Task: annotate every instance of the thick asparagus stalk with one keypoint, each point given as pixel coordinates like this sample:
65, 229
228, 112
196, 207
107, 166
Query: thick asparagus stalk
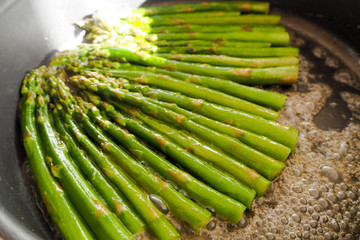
221, 204
234, 61
275, 38
248, 52
102, 222
245, 175
215, 28
249, 156
279, 75
205, 14
113, 198
193, 90
277, 132
154, 219
248, 19
57, 203
260, 143
244, 6
256, 95
218, 42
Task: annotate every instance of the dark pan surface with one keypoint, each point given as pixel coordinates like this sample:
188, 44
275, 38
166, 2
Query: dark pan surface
328, 67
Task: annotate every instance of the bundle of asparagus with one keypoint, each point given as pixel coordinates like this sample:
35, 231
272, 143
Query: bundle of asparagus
118, 137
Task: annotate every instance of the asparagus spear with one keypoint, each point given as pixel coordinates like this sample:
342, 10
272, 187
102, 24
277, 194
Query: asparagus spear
242, 173
256, 95
218, 42
248, 52
182, 207
250, 157
221, 204
277, 132
215, 28
205, 14
275, 38
102, 222
113, 198
245, 6
248, 19
260, 143
280, 75
227, 61
57, 203
154, 219
193, 90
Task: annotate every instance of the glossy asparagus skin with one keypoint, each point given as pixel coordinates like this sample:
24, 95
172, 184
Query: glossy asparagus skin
227, 61
182, 207
279, 75
256, 95
221, 204
214, 28
196, 91
57, 203
258, 142
234, 147
248, 19
204, 14
113, 198
203, 150
271, 129
102, 222
218, 42
242, 52
154, 219
275, 38
244, 6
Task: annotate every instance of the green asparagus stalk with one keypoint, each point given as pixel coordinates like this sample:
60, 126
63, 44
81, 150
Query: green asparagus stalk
218, 42
275, 131
260, 143
248, 19
113, 198
234, 61
102, 222
193, 90
275, 38
57, 203
215, 28
154, 219
242, 173
205, 14
221, 204
256, 95
279, 75
244, 6
248, 52
234, 147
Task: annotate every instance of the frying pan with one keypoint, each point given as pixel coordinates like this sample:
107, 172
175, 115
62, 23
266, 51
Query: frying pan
30, 31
